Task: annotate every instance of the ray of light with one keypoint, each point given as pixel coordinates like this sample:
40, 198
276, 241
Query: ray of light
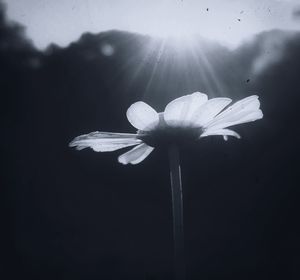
156, 65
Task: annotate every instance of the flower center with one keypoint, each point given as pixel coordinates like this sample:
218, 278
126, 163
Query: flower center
164, 134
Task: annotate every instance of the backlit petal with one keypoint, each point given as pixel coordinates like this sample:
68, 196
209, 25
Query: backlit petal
105, 141
136, 155
142, 116
243, 111
180, 111
224, 132
209, 110
250, 103
245, 117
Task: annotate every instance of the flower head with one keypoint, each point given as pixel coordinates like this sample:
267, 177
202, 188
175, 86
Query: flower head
184, 119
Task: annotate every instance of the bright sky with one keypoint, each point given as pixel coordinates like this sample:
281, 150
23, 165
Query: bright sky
227, 21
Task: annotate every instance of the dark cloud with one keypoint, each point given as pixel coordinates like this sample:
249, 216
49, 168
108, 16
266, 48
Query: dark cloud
81, 215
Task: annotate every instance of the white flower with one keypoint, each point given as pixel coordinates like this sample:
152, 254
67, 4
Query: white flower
186, 118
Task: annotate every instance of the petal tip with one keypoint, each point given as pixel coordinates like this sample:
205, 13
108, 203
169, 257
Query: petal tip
122, 160
71, 144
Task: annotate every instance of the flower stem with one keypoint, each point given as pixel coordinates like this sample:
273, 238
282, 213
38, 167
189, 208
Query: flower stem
176, 186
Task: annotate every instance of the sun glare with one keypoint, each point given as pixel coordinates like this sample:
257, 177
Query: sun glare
228, 22
180, 20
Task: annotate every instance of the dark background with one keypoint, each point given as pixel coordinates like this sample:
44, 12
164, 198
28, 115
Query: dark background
81, 215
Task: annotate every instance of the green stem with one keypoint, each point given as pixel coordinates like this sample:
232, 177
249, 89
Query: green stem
176, 186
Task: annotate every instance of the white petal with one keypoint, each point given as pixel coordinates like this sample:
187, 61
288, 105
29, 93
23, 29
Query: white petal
209, 110
105, 141
243, 111
224, 132
181, 110
136, 155
239, 119
142, 116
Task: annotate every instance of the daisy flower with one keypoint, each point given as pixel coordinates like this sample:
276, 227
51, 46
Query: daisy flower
187, 118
